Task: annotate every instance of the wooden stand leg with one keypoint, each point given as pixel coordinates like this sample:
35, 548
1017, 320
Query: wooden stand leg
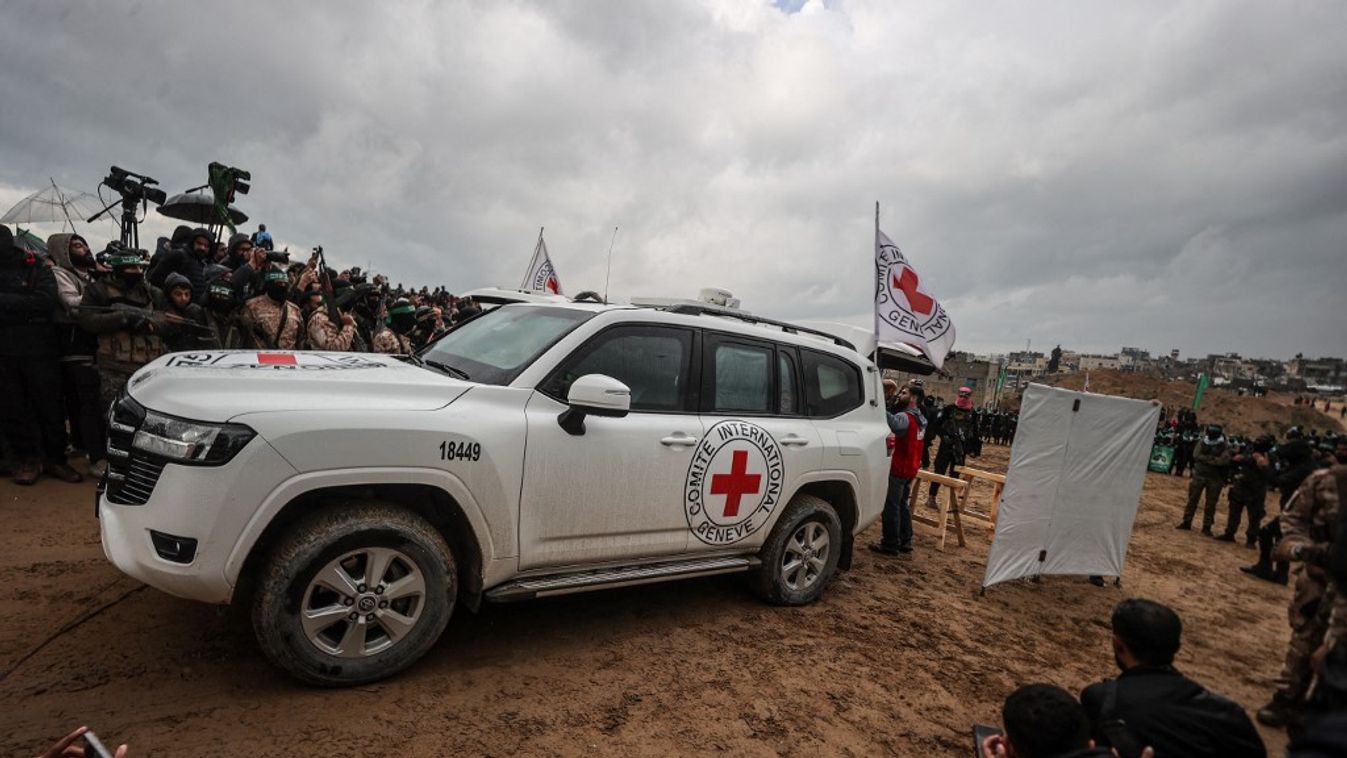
958, 522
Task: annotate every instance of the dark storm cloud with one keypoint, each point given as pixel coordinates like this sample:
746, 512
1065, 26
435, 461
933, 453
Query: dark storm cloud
1145, 174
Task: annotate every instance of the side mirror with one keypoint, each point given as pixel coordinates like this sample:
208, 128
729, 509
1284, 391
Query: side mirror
594, 394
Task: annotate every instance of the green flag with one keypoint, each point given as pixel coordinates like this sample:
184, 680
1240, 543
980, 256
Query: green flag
1203, 382
1001, 380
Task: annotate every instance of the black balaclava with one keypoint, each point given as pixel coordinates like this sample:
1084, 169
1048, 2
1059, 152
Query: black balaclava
402, 317
120, 259
276, 285
220, 297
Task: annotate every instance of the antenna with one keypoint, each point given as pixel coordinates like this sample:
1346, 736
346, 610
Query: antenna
609, 275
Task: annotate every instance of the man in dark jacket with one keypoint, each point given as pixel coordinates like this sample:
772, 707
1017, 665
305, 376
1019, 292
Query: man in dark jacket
190, 263
1157, 705
31, 415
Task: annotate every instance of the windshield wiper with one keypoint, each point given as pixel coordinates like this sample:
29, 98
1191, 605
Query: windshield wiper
445, 368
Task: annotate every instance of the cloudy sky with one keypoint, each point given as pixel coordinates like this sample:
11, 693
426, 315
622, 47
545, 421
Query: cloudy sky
1158, 174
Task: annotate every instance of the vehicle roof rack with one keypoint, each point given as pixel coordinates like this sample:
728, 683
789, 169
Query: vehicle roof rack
696, 309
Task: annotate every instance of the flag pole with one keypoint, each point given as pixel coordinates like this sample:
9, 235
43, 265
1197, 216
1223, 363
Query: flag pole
877, 285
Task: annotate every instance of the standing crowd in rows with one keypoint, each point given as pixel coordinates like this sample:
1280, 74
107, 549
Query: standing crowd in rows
75, 325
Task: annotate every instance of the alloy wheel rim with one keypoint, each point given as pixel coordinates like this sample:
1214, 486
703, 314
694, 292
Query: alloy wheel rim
806, 556
363, 602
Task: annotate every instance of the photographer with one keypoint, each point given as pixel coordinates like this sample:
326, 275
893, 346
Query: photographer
251, 267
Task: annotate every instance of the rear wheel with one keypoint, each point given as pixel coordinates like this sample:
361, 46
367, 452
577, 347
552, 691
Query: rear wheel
354, 594
800, 557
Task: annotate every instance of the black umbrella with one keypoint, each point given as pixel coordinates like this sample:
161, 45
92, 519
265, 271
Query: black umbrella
198, 208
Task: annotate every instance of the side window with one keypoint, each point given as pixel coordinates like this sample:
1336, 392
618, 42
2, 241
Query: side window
652, 360
832, 386
789, 404
743, 378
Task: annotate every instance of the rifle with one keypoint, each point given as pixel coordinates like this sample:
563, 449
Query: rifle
325, 282
148, 315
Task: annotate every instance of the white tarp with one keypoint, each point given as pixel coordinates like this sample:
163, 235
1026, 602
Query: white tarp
1076, 469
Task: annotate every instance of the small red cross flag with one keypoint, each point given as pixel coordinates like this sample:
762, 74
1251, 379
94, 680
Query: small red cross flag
542, 275
905, 311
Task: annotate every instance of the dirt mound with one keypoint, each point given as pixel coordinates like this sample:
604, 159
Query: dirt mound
1245, 415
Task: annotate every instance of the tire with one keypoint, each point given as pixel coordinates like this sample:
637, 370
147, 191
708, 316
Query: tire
790, 573
397, 621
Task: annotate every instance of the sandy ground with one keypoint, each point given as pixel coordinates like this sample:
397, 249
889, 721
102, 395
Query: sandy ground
899, 658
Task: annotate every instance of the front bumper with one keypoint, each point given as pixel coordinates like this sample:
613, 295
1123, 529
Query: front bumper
209, 504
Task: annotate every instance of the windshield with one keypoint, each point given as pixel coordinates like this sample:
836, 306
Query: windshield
496, 347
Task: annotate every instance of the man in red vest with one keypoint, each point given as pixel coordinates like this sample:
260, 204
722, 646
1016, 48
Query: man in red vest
907, 423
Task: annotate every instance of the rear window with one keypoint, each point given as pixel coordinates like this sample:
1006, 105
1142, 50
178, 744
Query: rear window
832, 386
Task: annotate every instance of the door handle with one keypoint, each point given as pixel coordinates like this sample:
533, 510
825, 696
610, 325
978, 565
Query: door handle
677, 439
795, 440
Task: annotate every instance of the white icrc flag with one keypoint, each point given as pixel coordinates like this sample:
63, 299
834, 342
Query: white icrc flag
904, 311
542, 275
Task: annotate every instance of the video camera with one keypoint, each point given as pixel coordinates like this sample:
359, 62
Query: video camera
227, 180
134, 187
278, 256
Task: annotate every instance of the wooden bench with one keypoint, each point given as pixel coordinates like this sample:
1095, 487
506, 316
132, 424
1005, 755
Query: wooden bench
998, 482
955, 490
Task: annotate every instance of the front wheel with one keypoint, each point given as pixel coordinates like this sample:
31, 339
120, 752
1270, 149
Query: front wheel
354, 594
800, 557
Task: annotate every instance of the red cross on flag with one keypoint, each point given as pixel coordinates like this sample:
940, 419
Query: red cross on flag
905, 311
542, 275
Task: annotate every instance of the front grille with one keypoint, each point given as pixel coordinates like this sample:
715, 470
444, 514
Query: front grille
132, 474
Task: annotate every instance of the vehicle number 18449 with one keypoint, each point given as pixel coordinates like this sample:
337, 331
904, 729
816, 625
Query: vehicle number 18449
460, 451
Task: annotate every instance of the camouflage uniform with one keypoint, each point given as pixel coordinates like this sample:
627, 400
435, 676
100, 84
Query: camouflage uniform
123, 347
226, 331
260, 322
325, 335
389, 341
1318, 613
1209, 469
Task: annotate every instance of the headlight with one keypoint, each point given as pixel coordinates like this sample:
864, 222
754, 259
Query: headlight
185, 441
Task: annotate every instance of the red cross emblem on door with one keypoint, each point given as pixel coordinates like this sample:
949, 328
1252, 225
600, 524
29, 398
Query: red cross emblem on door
736, 484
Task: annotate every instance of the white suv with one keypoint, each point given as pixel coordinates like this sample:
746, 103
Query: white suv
539, 449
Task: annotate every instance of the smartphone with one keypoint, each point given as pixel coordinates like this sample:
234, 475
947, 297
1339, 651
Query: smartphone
980, 734
94, 746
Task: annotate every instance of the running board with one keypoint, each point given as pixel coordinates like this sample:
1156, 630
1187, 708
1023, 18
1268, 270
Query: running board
625, 576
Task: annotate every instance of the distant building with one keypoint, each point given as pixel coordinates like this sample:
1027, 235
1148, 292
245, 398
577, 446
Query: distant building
1324, 374
1096, 362
961, 370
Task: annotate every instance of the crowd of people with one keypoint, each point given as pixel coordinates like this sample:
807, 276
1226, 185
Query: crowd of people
75, 325
1306, 470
